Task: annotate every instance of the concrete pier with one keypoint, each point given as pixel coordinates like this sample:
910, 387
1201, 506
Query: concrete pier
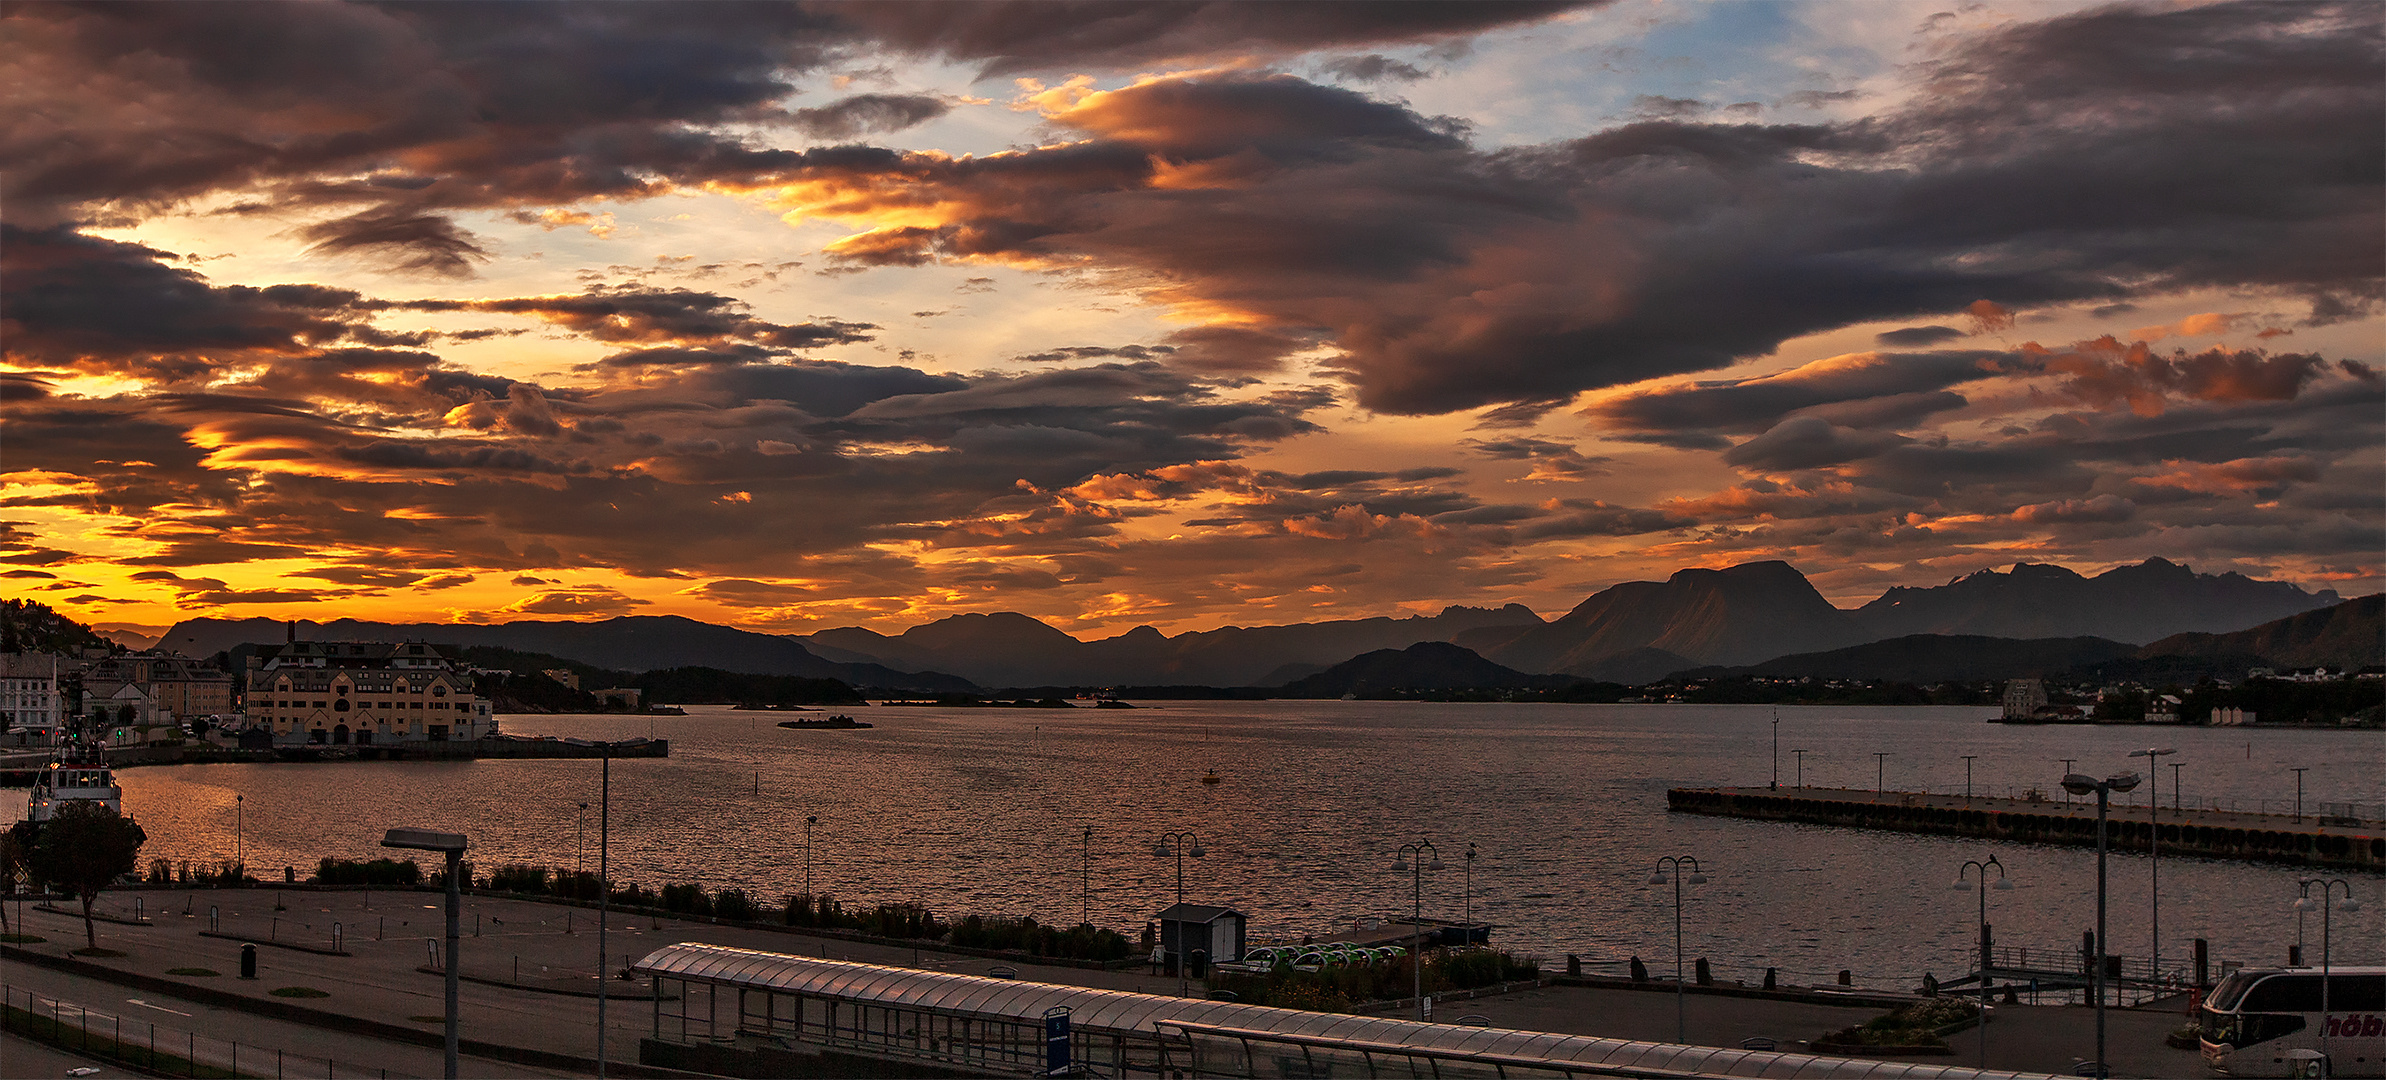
2215, 834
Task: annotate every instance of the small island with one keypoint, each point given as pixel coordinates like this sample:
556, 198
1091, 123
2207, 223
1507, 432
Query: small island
838, 722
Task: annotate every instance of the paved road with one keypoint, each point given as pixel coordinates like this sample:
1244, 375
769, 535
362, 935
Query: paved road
24, 1059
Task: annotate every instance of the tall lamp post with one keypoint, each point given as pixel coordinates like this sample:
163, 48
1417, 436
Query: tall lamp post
1776, 785
1801, 767
1673, 867
2299, 770
2175, 767
1470, 892
580, 843
1967, 776
604, 887
240, 832
2080, 784
2153, 758
451, 845
1085, 910
2003, 883
1880, 770
2328, 887
2067, 763
1179, 845
1412, 859
810, 820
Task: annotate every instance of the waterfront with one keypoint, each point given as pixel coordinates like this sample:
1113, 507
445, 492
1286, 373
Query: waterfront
982, 810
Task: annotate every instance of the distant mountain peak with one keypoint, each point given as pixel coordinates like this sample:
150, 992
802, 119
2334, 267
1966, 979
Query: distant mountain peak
2134, 603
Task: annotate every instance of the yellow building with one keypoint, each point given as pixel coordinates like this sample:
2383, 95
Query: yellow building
363, 693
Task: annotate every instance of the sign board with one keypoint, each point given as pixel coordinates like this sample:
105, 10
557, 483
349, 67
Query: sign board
1056, 1040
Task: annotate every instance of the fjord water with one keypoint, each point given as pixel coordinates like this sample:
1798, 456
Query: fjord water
983, 810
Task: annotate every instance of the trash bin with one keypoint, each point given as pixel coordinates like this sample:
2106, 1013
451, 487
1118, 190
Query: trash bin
248, 961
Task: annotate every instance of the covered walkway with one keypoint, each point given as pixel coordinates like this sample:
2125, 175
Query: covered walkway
741, 999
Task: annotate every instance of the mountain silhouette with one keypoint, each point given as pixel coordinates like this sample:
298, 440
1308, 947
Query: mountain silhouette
2349, 635
1738, 615
2136, 604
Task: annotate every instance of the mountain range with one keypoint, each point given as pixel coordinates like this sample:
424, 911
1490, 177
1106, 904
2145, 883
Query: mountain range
629, 643
1636, 632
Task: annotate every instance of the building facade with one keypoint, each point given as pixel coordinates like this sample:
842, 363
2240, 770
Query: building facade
30, 702
334, 693
153, 690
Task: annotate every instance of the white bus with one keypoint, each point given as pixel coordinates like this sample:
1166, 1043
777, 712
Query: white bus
2256, 1020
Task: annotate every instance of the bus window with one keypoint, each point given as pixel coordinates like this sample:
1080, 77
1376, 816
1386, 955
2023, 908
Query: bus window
2228, 990
2357, 993
2284, 994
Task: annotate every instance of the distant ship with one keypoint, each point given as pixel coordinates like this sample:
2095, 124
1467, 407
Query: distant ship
1212, 778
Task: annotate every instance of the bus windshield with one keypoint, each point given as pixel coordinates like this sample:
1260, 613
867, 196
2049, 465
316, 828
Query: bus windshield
2225, 994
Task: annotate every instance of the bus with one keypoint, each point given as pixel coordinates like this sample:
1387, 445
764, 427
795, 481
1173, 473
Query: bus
2256, 1021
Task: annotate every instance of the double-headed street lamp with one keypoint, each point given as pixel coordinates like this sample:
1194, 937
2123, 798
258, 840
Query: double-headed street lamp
1412, 859
2003, 883
1678, 869
1179, 845
451, 845
2153, 758
2328, 887
2080, 784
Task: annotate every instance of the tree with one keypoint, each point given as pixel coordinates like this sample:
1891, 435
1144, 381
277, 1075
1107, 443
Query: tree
85, 846
12, 862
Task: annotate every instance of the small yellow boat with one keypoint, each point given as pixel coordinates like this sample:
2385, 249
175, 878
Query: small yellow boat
1212, 778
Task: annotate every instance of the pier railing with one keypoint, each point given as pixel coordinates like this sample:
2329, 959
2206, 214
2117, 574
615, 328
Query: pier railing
158, 1049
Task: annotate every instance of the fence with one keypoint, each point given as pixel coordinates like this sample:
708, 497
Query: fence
164, 1051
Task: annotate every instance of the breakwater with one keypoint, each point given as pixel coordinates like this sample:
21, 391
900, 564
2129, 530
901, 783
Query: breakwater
2336, 843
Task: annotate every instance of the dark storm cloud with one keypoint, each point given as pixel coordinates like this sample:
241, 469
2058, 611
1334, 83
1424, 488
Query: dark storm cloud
1808, 443
1010, 37
1374, 67
1893, 386
864, 114
2023, 171
398, 240
1912, 337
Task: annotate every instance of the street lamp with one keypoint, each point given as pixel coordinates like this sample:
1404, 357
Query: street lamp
1677, 874
1179, 845
1776, 785
2004, 883
1416, 867
2299, 770
240, 833
1470, 892
809, 821
2153, 758
1880, 771
580, 843
1085, 913
2078, 784
451, 845
2328, 887
2067, 763
2175, 767
1801, 767
1967, 776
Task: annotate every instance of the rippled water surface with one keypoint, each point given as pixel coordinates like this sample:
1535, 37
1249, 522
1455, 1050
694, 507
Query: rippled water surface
984, 810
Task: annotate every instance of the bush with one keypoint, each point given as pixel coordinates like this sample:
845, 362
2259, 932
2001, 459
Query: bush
734, 904
1335, 989
1917, 1024
161, 872
686, 899
383, 872
519, 878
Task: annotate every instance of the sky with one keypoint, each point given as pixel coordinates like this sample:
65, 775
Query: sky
1180, 314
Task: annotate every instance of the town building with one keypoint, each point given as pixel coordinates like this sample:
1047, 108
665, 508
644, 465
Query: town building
31, 706
2023, 698
152, 690
363, 693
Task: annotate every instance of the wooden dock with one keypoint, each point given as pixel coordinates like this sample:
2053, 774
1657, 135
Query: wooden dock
2335, 843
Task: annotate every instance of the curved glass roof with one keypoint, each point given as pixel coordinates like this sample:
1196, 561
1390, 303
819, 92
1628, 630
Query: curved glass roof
1123, 1012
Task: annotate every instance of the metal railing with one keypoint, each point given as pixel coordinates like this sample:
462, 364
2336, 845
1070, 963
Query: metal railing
161, 1050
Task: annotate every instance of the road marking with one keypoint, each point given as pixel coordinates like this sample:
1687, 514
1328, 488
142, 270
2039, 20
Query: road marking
146, 1005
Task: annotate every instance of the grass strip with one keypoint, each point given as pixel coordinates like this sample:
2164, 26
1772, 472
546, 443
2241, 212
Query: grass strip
54, 1031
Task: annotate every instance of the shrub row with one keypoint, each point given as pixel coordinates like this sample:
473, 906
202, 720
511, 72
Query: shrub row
168, 872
